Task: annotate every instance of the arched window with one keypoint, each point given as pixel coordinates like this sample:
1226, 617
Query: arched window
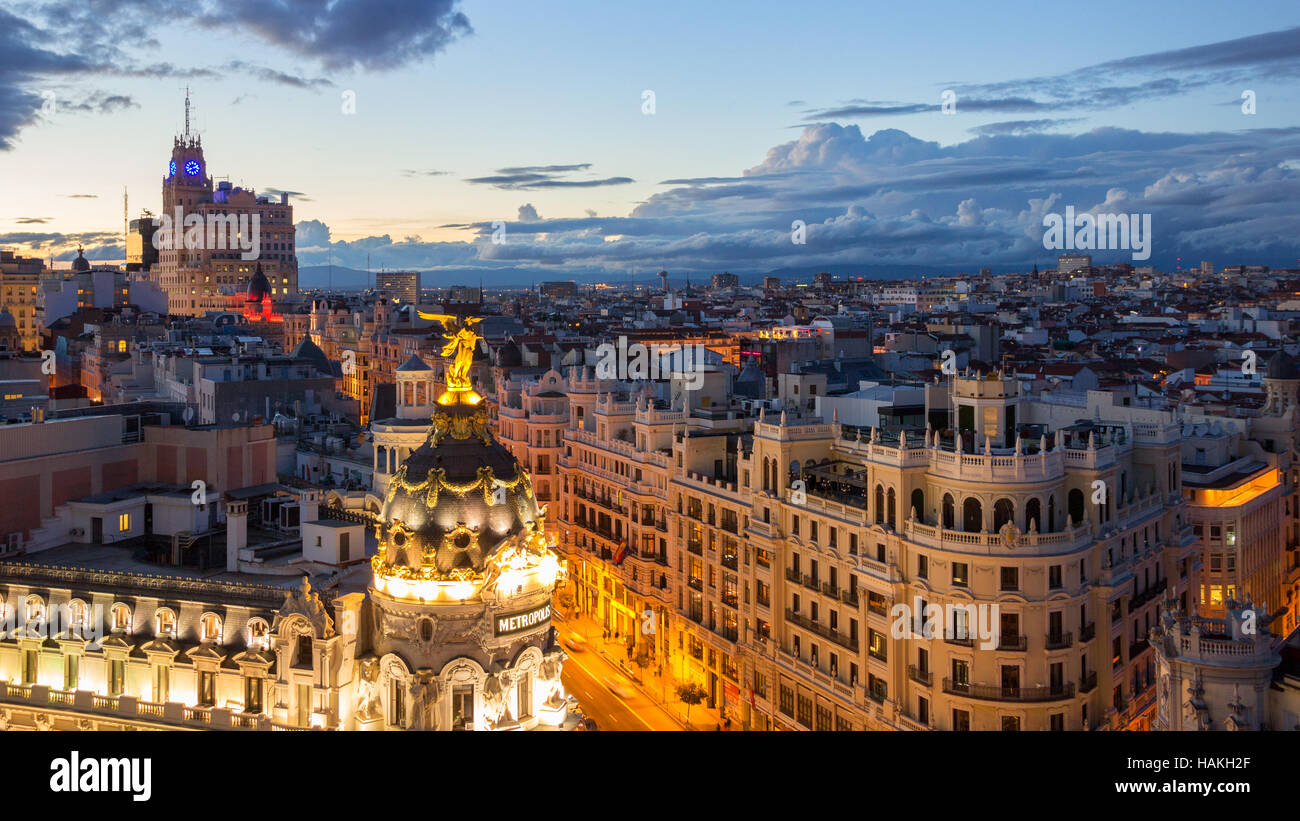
121, 618
164, 622
972, 515
918, 504
949, 511
210, 626
880, 504
1003, 511
1051, 513
893, 520
1076, 506
77, 611
34, 610
1034, 515
259, 633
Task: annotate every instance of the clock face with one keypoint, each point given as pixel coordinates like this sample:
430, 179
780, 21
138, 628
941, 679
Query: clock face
192, 168
171, 170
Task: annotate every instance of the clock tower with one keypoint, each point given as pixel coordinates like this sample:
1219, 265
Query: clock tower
185, 181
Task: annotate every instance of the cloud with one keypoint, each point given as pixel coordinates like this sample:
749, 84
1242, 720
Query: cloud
888, 198
535, 177
276, 192
33, 220
432, 172
1269, 56
1022, 126
82, 196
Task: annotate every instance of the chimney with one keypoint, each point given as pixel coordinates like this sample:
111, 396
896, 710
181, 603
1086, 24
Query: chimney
236, 532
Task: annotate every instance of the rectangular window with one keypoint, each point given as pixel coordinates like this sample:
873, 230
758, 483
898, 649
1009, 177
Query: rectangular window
1054, 577
923, 567
124, 523
961, 720
252, 695
70, 670
960, 574
207, 688
29, 667
161, 681
805, 711
1010, 578
116, 677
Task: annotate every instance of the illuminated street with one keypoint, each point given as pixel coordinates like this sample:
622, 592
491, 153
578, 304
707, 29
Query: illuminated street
584, 676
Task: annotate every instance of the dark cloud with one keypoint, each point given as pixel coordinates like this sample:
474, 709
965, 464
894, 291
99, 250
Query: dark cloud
535, 177
33, 220
411, 172
1022, 126
297, 195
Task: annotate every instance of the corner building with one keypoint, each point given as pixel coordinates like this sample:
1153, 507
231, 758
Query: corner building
789, 553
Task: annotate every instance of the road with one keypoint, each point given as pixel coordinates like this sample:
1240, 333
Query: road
584, 677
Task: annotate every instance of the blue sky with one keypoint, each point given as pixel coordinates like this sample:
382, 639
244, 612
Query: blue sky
473, 112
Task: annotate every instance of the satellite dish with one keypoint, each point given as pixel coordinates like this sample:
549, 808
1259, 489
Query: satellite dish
235, 416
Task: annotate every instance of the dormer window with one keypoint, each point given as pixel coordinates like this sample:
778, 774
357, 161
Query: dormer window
165, 623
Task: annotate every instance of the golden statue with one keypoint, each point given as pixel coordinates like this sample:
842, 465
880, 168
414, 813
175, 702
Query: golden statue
461, 344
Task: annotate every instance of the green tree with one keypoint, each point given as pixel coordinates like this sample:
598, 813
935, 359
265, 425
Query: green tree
690, 694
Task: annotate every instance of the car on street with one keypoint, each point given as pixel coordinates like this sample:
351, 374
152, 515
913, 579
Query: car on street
618, 687
576, 643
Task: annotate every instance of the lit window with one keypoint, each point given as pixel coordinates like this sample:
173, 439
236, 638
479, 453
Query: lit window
211, 627
124, 523
121, 617
165, 622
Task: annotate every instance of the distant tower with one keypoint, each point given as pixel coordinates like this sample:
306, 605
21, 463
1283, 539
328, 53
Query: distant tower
663, 280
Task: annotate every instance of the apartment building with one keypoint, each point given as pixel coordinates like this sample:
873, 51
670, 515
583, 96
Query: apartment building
786, 561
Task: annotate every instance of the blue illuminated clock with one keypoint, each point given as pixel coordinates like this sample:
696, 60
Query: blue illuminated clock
171, 170
192, 168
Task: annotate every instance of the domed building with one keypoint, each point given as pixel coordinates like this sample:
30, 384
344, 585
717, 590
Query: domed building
460, 602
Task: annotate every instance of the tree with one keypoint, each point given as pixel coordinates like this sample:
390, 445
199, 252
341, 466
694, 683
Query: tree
690, 694
643, 655
565, 599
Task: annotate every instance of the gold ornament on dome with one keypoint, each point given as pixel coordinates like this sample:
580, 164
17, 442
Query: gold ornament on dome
462, 341
435, 481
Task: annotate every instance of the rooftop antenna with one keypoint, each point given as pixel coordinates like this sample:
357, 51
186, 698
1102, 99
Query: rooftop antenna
187, 113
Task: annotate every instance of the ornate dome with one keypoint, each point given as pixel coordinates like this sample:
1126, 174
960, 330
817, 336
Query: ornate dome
259, 287
80, 263
456, 502
460, 512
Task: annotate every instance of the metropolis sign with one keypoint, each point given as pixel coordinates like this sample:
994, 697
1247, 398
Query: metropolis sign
508, 623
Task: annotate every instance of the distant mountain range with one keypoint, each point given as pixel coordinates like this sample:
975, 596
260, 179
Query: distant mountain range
341, 278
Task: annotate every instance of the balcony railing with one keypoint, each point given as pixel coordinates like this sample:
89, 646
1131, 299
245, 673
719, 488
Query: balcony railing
730, 562
849, 596
697, 584
920, 676
1006, 641
821, 630
1088, 683
1059, 641
810, 582
1008, 693
830, 590
792, 575
1087, 632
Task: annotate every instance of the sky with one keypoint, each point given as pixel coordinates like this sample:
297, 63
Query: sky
616, 139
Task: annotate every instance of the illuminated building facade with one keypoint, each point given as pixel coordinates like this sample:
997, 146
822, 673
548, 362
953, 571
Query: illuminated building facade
452, 632
783, 599
203, 275
19, 278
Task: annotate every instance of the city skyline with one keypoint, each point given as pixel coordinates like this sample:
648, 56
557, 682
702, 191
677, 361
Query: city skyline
469, 115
